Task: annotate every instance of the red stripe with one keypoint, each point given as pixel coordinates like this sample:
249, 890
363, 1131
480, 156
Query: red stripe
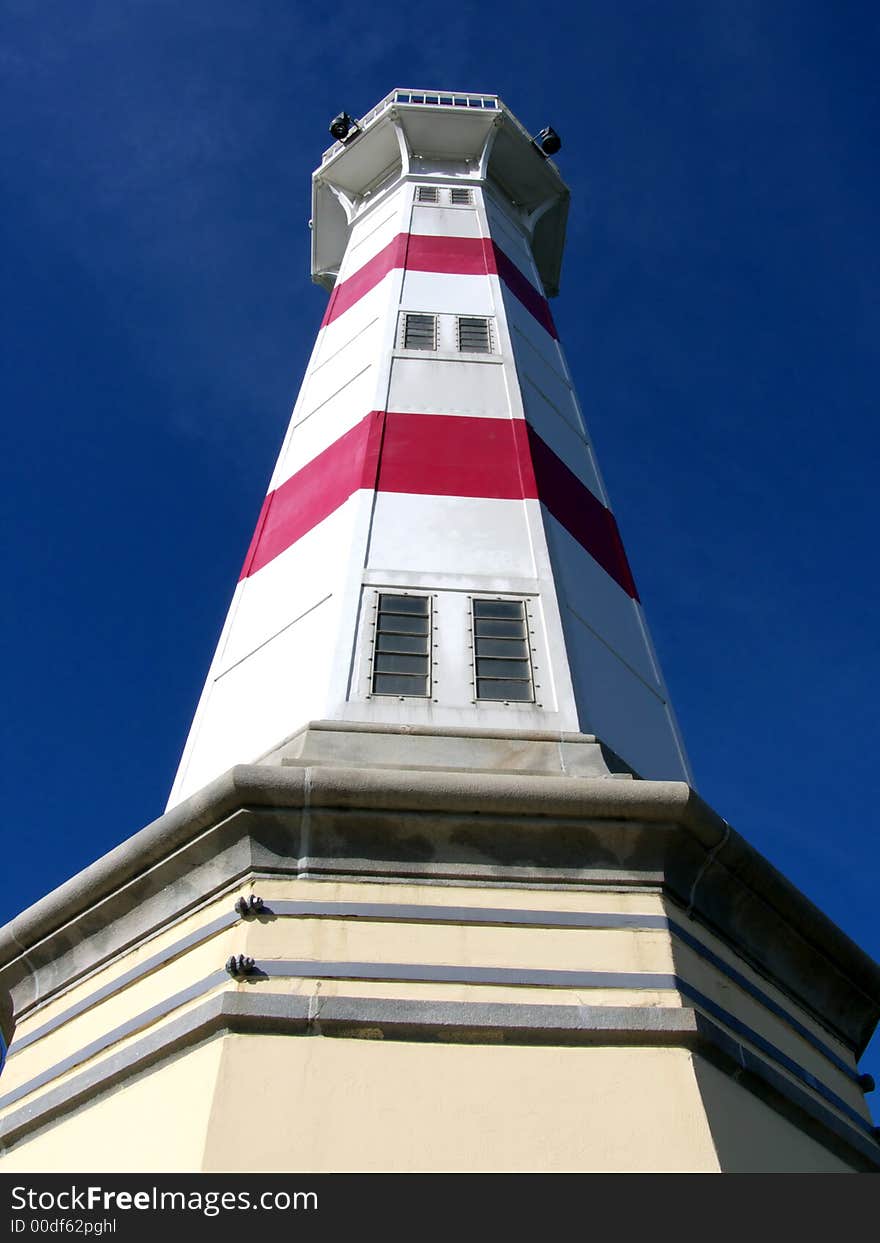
523, 289
349, 291
451, 455
581, 513
459, 256
250, 555
438, 455
314, 492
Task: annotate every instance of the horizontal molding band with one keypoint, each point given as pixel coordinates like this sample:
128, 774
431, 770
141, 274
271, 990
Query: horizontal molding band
773, 1051
430, 973
537, 978
151, 964
765, 999
124, 1030
438, 455
415, 911
408, 912
560, 919
474, 915
449, 974
449, 256
274, 970
293, 1015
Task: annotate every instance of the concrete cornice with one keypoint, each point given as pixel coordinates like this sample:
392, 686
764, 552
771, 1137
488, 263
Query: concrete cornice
252, 785
652, 832
241, 786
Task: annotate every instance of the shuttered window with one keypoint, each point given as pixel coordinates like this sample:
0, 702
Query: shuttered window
474, 336
502, 666
401, 651
419, 332
461, 197
427, 194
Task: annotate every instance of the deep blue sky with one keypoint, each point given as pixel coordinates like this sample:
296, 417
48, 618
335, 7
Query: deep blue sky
720, 310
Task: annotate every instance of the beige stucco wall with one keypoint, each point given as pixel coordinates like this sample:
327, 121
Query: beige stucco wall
276, 1103
750, 1137
155, 1122
359, 940
340, 1103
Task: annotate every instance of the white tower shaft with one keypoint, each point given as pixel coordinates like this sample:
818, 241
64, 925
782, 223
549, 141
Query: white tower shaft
436, 547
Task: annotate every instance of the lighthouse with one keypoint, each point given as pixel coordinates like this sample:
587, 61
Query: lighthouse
436, 548
433, 889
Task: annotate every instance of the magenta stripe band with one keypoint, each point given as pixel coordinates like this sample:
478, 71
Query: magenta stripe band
438, 455
461, 256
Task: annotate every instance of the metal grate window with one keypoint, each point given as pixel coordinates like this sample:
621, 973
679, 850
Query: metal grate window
427, 194
461, 197
419, 332
401, 652
502, 666
474, 336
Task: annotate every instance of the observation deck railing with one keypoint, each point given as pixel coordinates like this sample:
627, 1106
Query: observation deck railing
426, 99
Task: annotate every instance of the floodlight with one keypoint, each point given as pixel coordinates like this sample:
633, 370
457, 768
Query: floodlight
548, 141
342, 125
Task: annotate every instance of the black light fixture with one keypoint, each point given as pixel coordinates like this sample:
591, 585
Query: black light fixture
547, 142
343, 126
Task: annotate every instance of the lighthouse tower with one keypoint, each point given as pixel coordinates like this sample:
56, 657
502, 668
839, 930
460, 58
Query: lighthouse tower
433, 890
436, 548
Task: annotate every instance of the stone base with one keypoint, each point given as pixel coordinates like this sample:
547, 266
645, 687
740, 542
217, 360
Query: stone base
451, 750
413, 950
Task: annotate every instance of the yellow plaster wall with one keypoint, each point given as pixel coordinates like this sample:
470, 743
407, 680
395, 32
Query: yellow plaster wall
642, 901
751, 1137
495, 994
151, 990
341, 1104
330, 891
155, 1122
363, 1103
358, 940
465, 945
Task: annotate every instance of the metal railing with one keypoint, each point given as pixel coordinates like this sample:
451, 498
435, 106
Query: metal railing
427, 99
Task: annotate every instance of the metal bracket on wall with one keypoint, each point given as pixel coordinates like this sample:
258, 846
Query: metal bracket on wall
246, 907
240, 965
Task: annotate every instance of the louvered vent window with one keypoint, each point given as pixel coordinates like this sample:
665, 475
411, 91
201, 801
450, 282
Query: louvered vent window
461, 197
401, 656
427, 194
474, 336
501, 651
420, 332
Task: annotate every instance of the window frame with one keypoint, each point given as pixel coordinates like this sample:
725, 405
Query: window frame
444, 196
405, 317
375, 654
490, 342
526, 639
446, 342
